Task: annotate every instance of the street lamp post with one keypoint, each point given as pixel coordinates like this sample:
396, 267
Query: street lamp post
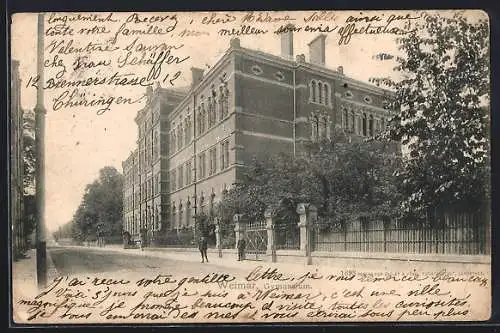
41, 246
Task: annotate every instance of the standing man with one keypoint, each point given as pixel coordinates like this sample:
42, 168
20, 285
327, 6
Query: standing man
203, 246
241, 249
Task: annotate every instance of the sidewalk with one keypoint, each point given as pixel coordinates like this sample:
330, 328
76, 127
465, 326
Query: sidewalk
295, 264
229, 256
24, 279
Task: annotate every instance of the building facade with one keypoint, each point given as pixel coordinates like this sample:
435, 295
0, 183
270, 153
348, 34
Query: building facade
16, 164
193, 143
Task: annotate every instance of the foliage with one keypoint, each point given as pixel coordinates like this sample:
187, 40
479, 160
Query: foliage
64, 231
344, 181
101, 207
29, 153
29, 217
441, 90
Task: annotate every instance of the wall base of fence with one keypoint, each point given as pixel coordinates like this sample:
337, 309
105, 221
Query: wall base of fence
386, 261
444, 258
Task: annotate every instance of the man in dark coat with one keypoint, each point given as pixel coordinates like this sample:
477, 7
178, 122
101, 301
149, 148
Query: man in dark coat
241, 249
202, 246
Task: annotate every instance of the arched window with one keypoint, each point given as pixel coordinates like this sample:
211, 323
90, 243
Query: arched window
364, 125
173, 214
180, 133
371, 126
326, 89
188, 213
186, 130
180, 214
321, 128
360, 125
155, 144
313, 91
173, 141
214, 112
226, 100
352, 122
199, 121
345, 117
314, 128
320, 93
325, 131
203, 117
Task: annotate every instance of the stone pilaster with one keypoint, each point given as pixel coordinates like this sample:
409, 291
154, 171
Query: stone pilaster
307, 217
239, 228
271, 249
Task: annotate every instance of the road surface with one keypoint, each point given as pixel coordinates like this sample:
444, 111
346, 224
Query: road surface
84, 260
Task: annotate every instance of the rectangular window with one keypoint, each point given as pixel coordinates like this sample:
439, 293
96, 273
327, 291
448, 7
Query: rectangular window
213, 159
180, 174
224, 155
201, 165
173, 180
189, 167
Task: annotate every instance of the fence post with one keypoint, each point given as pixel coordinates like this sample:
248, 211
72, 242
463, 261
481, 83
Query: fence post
239, 228
307, 217
271, 248
385, 226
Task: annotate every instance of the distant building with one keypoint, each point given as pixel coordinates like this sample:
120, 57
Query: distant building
16, 164
193, 143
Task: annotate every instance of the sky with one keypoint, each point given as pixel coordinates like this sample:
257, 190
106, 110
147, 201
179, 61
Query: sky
79, 143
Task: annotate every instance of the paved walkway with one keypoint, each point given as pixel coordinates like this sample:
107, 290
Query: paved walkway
334, 262
24, 274
228, 259
24, 270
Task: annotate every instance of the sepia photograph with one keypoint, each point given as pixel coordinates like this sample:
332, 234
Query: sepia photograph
250, 167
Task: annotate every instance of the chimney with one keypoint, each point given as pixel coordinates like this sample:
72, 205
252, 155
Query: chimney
300, 58
235, 43
340, 70
317, 50
287, 41
197, 76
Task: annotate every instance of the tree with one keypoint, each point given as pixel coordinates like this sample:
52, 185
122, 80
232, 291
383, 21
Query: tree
345, 181
441, 90
28, 190
101, 207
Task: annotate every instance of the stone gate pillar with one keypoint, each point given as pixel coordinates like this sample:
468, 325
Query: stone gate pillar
218, 236
271, 248
307, 217
239, 228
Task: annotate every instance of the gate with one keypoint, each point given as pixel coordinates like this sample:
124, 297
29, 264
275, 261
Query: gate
256, 240
287, 235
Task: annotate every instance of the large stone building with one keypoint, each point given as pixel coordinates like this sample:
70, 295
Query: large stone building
16, 164
193, 143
